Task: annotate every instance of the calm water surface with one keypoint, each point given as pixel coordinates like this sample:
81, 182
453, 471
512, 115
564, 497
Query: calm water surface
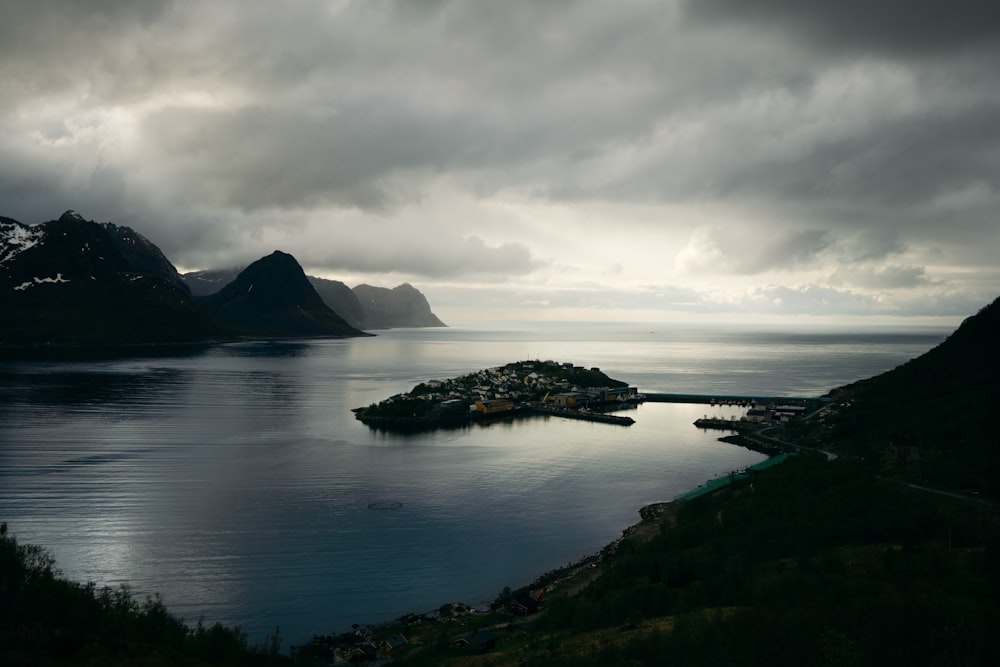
236, 482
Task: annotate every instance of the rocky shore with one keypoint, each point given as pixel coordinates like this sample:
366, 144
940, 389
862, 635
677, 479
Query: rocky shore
373, 642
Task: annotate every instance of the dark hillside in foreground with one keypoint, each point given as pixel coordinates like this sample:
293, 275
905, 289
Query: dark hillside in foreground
935, 418
47, 620
811, 562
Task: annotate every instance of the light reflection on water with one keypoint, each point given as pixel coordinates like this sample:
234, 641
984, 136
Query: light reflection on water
235, 481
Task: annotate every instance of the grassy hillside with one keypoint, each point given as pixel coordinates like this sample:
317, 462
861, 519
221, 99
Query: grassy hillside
934, 419
47, 620
810, 562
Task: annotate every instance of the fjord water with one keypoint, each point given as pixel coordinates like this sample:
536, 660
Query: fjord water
234, 480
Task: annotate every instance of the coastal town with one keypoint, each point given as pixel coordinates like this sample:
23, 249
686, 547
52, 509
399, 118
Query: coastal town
528, 388
516, 389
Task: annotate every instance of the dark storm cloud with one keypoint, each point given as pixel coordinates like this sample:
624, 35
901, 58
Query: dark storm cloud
896, 163
273, 157
896, 27
431, 256
887, 277
48, 46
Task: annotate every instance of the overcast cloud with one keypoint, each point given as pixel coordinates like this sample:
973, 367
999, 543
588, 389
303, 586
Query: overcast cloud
635, 159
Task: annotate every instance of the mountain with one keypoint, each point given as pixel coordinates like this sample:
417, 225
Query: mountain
402, 306
364, 307
75, 282
143, 256
342, 300
203, 283
273, 297
933, 418
63, 250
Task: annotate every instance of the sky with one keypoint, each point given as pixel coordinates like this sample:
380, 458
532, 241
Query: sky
734, 160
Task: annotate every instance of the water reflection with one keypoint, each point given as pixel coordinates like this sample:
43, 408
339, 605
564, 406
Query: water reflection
86, 386
279, 349
97, 354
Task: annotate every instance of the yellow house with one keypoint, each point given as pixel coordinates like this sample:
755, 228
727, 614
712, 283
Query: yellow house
494, 406
567, 400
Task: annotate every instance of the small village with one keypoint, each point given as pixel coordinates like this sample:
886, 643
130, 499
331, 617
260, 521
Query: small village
516, 389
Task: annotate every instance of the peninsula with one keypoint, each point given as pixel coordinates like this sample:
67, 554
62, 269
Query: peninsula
517, 389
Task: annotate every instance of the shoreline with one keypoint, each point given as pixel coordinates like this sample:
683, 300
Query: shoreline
572, 578
563, 582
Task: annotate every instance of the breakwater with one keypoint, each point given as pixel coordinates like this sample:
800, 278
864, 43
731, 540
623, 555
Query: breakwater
702, 398
724, 424
601, 417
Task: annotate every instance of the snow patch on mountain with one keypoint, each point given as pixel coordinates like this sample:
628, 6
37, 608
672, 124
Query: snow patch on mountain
38, 281
15, 238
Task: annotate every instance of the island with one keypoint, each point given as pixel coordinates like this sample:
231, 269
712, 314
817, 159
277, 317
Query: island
518, 389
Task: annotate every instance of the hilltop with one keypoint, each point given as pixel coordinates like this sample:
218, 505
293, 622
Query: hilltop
933, 419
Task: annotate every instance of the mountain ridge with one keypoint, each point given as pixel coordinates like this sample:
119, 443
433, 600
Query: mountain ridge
75, 282
363, 306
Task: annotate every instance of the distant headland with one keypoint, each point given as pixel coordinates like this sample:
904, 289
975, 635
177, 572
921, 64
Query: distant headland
518, 389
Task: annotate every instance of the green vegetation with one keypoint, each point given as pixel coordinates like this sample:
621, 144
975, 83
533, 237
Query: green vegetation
47, 620
933, 420
809, 562
809, 559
